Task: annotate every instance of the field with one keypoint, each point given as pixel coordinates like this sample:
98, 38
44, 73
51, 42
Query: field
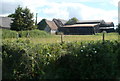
42, 56
69, 38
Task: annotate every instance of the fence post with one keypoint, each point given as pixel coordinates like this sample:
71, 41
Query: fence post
61, 37
103, 36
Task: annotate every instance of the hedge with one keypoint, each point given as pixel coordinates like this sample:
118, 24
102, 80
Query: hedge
76, 60
29, 33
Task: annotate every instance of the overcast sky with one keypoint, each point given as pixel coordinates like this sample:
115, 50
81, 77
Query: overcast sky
66, 9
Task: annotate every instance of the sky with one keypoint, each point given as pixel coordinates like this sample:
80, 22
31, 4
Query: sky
65, 9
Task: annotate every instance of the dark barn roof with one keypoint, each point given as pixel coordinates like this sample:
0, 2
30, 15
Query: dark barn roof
59, 22
5, 22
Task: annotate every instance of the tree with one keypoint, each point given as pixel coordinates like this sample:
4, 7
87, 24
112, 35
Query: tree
72, 21
22, 19
42, 24
11, 15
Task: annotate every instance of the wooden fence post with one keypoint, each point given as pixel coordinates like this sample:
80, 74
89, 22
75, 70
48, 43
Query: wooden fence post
103, 36
61, 37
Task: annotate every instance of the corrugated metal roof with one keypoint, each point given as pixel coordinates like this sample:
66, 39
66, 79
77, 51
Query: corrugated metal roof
52, 25
81, 25
90, 21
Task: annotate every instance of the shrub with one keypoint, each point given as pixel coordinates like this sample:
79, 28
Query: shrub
34, 33
8, 33
76, 60
29, 33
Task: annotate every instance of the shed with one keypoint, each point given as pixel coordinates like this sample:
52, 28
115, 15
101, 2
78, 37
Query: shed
80, 29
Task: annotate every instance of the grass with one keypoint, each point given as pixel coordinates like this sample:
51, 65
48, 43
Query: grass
69, 38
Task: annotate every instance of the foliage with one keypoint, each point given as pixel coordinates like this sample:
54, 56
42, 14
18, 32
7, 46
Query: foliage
11, 15
22, 19
34, 33
22, 34
42, 24
75, 60
72, 21
8, 33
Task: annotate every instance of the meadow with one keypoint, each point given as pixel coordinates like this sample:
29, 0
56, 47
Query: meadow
66, 38
43, 56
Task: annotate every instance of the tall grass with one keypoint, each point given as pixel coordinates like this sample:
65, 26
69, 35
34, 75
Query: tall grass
23, 34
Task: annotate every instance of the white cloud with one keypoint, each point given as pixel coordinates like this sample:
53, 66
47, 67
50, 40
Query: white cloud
50, 9
114, 2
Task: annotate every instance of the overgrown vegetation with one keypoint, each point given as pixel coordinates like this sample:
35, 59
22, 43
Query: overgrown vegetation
75, 60
23, 34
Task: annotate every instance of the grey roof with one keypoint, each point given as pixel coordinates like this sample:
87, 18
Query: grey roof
59, 22
5, 22
90, 21
52, 25
63, 21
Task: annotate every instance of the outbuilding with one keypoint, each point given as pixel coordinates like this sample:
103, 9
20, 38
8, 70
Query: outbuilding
79, 29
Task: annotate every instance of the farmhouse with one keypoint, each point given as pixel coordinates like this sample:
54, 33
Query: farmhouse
79, 29
5, 22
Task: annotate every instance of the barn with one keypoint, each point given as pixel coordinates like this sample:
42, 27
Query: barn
83, 27
79, 29
103, 26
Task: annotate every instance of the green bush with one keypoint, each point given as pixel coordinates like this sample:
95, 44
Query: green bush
29, 33
34, 33
76, 60
8, 33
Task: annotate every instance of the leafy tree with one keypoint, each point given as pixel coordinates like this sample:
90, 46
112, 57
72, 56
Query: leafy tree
42, 24
22, 19
72, 21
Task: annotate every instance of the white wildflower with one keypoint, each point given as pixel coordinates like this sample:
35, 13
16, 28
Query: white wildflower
95, 51
32, 58
81, 50
83, 46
